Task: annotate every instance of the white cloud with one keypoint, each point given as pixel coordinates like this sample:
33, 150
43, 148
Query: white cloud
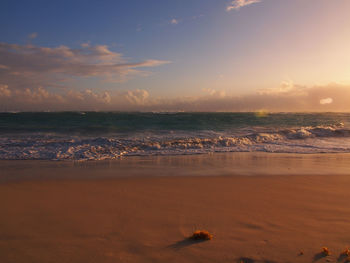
293, 98
4, 91
286, 87
215, 92
97, 97
326, 101
237, 4
137, 97
174, 21
38, 99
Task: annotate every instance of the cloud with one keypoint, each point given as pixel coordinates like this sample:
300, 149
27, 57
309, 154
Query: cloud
39, 78
4, 91
237, 4
286, 87
33, 35
215, 93
39, 99
174, 21
137, 97
287, 98
30, 66
85, 45
103, 97
326, 101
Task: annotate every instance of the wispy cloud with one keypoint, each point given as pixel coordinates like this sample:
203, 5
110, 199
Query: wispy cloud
37, 78
237, 4
30, 66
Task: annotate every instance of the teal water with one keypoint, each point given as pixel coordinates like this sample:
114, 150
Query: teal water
109, 135
109, 122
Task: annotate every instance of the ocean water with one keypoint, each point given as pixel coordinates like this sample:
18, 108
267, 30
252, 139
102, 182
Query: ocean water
110, 135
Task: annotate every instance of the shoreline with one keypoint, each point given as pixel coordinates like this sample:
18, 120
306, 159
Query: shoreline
214, 164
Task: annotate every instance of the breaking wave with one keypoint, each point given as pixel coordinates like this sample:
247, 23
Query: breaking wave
312, 139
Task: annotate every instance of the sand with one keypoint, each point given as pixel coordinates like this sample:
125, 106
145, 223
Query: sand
121, 212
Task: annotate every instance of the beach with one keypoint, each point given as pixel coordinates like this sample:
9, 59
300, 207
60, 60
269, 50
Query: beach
259, 207
175, 131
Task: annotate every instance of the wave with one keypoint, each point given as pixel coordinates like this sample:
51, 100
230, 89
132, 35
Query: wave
318, 139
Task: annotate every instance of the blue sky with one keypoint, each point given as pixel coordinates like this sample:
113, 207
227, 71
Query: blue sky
198, 47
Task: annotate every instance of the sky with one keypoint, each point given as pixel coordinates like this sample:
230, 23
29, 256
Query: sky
175, 55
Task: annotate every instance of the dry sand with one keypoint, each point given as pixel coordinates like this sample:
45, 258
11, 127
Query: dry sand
64, 217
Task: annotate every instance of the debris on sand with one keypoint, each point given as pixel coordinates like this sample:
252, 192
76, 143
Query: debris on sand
346, 252
201, 235
326, 251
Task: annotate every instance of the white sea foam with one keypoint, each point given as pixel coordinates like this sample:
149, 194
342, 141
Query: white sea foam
319, 139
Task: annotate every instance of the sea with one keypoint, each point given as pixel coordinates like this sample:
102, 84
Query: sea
83, 136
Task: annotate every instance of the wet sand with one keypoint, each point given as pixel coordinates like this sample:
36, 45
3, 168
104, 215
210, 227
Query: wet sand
259, 207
